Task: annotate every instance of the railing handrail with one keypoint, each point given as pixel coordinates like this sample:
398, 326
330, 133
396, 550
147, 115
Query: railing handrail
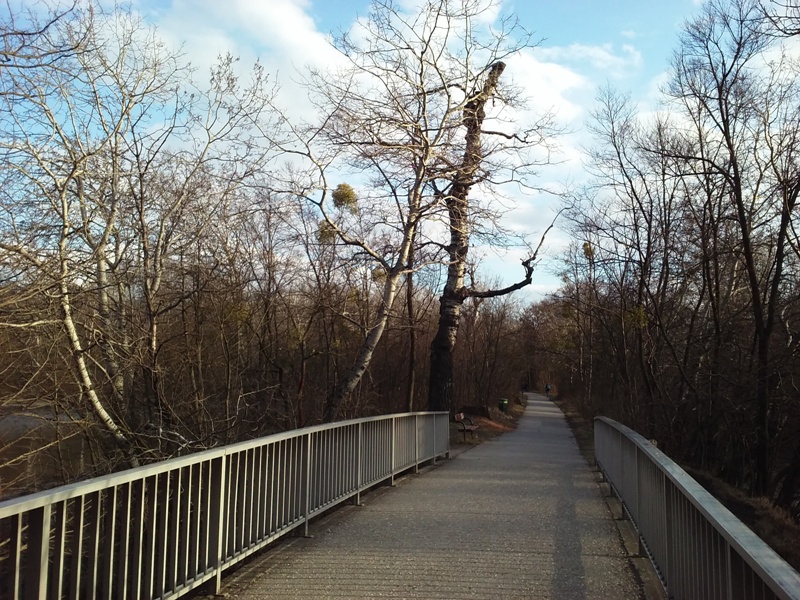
161, 530
774, 572
77, 488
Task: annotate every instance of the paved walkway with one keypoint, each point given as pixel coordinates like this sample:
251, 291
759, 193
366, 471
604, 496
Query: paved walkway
520, 516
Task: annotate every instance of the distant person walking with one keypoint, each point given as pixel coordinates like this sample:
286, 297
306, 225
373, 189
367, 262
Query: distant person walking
547, 390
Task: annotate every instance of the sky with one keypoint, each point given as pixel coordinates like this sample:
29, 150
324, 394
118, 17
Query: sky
584, 45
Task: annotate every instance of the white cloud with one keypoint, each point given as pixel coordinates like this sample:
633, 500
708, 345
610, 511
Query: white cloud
485, 12
605, 59
550, 85
284, 37
279, 32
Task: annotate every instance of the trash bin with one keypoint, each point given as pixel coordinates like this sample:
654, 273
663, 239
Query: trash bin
503, 405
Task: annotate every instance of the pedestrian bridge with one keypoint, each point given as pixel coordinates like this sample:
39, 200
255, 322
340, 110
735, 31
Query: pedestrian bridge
518, 517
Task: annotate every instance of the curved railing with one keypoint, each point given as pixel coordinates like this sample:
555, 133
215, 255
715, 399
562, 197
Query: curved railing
162, 530
699, 547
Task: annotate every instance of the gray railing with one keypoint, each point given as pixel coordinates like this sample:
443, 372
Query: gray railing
165, 529
699, 547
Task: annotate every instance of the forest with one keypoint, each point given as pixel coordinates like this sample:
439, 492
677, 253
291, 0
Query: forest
678, 313
185, 263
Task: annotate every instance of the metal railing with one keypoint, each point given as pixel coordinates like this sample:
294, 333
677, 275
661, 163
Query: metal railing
162, 530
699, 548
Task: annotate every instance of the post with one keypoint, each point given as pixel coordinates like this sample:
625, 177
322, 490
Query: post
358, 466
307, 486
393, 442
416, 444
434, 437
39, 546
216, 520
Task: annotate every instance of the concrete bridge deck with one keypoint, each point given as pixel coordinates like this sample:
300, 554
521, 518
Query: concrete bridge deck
521, 516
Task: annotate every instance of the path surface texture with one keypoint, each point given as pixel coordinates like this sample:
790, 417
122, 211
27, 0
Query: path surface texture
520, 516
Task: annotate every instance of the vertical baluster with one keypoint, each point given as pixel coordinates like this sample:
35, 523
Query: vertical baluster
306, 478
58, 526
276, 496
291, 480
195, 501
327, 471
416, 443
248, 490
295, 482
214, 528
282, 496
232, 503
174, 530
150, 502
204, 521
357, 469
392, 449
35, 567
435, 434
122, 539
14, 524
316, 490
258, 492
76, 548
107, 550
162, 507
354, 443
136, 536
184, 529
265, 505
669, 535
91, 583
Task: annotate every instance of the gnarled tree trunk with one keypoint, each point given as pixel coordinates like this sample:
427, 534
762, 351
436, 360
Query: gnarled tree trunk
456, 198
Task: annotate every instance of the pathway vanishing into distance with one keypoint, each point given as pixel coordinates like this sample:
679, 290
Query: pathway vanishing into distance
520, 516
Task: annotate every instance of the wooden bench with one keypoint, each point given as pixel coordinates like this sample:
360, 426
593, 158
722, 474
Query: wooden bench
466, 424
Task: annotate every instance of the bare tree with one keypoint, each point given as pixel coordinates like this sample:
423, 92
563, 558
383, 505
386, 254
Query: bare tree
116, 162
28, 38
405, 113
718, 78
782, 16
690, 224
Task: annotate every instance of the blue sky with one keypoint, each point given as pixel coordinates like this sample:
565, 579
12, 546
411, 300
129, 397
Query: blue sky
585, 44
626, 42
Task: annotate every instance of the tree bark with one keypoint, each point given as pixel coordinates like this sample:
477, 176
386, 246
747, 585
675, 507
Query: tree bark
440, 387
346, 385
412, 334
76, 347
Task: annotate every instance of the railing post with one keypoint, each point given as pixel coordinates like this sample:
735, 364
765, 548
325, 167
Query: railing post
216, 519
307, 485
416, 443
434, 438
39, 546
447, 428
358, 465
668, 578
393, 441
640, 518
15, 549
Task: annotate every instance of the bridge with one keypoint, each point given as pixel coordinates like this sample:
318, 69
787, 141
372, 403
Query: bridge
522, 516
517, 517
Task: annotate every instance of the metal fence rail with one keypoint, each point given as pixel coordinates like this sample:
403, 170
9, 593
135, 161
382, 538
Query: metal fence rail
162, 530
699, 547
